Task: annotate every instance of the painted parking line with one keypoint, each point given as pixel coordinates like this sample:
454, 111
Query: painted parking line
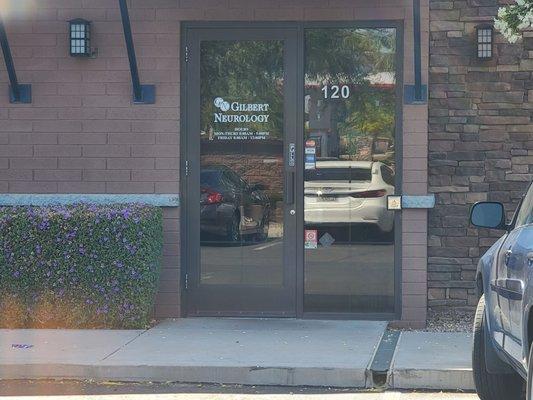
266, 246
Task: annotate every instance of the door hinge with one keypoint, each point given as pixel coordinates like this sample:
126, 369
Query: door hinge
186, 54
186, 281
187, 168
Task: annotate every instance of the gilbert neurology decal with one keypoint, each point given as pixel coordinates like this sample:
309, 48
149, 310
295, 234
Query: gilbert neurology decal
240, 121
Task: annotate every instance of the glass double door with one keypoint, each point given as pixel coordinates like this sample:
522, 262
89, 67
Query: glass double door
289, 158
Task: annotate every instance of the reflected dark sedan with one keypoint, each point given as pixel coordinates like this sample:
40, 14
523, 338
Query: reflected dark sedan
230, 208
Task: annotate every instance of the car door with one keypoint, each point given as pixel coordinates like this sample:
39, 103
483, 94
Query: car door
511, 277
516, 258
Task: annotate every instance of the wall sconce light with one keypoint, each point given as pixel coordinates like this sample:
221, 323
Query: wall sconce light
80, 38
485, 42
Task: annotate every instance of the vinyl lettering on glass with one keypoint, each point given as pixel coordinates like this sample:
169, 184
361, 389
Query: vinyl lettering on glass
240, 120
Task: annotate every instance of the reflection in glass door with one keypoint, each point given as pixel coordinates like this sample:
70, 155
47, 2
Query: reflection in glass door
350, 164
240, 218
241, 156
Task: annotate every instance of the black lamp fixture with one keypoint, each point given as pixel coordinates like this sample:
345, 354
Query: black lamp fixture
80, 38
485, 42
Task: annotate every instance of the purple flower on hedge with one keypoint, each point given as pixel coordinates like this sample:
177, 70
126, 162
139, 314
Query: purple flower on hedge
65, 213
102, 310
38, 249
126, 213
16, 274
44, 225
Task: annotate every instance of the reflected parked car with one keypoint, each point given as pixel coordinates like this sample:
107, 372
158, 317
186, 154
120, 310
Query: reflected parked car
231, 208
502, 354
349, 192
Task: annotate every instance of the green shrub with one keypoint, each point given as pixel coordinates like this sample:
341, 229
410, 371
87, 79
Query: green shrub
80, 266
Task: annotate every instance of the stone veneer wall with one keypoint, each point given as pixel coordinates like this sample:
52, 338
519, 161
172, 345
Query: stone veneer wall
480, 140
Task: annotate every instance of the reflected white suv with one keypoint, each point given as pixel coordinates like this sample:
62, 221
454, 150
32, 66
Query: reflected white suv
349, 192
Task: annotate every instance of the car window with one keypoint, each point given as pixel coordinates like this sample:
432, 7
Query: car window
525, 215
211, 180
388, 175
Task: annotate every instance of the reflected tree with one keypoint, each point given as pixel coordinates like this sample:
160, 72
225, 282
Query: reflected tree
247, 72
365, 60
349, 55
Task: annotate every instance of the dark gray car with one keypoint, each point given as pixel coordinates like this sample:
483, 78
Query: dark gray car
503, 328
230, 208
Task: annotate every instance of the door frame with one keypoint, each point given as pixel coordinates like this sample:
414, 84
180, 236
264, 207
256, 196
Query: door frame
220, 299
299, 194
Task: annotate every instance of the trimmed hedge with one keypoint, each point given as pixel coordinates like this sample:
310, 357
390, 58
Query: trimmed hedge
80, 266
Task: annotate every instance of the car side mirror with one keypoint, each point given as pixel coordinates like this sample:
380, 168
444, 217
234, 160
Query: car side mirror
488, 215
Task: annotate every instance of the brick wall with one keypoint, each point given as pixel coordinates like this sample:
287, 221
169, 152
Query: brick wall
480, 140
83, 135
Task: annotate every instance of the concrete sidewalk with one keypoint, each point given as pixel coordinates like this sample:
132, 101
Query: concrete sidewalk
240, 351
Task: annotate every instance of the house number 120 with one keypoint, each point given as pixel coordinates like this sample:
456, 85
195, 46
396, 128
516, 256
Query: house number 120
336, 92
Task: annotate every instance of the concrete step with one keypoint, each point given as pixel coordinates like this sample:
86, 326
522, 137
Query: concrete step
440, 361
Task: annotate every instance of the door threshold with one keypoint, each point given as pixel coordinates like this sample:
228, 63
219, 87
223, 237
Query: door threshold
305, 316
